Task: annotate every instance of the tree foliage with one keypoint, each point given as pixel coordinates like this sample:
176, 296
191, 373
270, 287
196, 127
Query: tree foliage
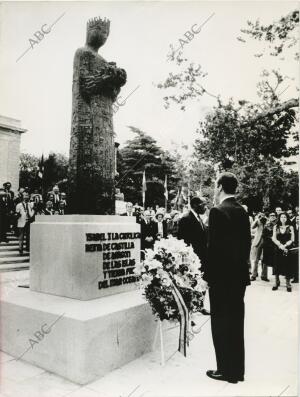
139, 154
55, 171
29, 165
280, 36
254, 151
187, 83
227, 133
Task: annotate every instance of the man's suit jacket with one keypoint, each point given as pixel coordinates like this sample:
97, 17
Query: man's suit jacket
147, 230
194, 233
165, 229
10, 200
229, 243
135, 214
20, 209
48, 212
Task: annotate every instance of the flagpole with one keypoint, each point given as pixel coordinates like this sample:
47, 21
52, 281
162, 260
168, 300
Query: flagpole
144, 188
189, 196
41, 174
166, 193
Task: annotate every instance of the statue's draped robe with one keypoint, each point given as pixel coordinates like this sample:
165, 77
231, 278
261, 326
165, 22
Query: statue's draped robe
92, 156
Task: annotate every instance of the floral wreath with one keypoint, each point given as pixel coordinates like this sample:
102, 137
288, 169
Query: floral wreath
171, 264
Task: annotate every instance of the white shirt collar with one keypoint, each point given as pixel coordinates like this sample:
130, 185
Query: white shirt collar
226, 197
195, 214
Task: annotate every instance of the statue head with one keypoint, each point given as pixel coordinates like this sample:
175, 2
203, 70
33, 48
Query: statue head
97, 32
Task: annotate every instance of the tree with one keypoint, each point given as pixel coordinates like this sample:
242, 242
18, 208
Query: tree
55, 170
254, 152
186, 84
139, 154
250, 138
28, 171
281, 36
282, 39
195, 176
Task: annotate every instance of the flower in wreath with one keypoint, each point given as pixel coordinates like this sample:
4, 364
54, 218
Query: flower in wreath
171, 265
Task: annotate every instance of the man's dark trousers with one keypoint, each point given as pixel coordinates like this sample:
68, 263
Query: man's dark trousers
227, 324
227, 274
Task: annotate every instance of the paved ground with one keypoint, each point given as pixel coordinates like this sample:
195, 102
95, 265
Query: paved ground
271, 358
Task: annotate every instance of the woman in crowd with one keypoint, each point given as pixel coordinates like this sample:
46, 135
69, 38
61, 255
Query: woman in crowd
296, 251
161, 230
283, 238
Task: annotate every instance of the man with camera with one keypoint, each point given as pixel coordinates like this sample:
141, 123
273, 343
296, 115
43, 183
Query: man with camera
257, 247
25, 215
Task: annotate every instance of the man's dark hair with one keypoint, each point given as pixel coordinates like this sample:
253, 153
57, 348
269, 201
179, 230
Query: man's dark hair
195, 201
228, 181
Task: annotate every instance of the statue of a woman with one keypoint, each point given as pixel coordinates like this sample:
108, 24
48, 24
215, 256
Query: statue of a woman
96, 84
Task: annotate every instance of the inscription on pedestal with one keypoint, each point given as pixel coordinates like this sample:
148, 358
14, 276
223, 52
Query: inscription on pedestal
116, 251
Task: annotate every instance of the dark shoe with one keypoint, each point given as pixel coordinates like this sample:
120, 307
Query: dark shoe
275, 288
253, 278
215, 375
229, 380
205, 312
265, 279
289, 288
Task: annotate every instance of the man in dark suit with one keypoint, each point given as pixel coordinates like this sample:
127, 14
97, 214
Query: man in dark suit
3, 216
10, 195
129, 210
227, 274
192, 230
147, 231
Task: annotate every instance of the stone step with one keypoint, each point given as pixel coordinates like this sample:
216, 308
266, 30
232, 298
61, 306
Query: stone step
13, 267
4, 254
14, 259
9, 248
10, 243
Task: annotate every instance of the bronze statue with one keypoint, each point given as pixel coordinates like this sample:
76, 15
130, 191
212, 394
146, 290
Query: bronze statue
96, 84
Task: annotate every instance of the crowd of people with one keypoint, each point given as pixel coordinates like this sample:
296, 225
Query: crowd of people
275, 245
274, 234
17, 211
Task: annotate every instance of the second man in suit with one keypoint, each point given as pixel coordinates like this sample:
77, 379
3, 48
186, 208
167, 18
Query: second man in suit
192, 230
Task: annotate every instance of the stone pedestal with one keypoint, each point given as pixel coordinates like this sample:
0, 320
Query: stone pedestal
78, 340
84, 256
107, 323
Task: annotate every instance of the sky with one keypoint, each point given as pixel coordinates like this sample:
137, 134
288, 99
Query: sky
37, 87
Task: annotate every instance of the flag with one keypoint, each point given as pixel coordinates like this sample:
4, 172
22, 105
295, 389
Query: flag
41, 167
166, 188
177, 197
144, 188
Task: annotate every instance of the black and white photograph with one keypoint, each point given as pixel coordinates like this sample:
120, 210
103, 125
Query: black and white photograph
149, 198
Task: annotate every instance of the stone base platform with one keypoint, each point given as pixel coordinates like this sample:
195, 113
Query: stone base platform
84, 256
78, 340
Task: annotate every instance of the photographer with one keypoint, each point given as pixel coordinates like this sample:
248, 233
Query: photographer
257, 247
25, 215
